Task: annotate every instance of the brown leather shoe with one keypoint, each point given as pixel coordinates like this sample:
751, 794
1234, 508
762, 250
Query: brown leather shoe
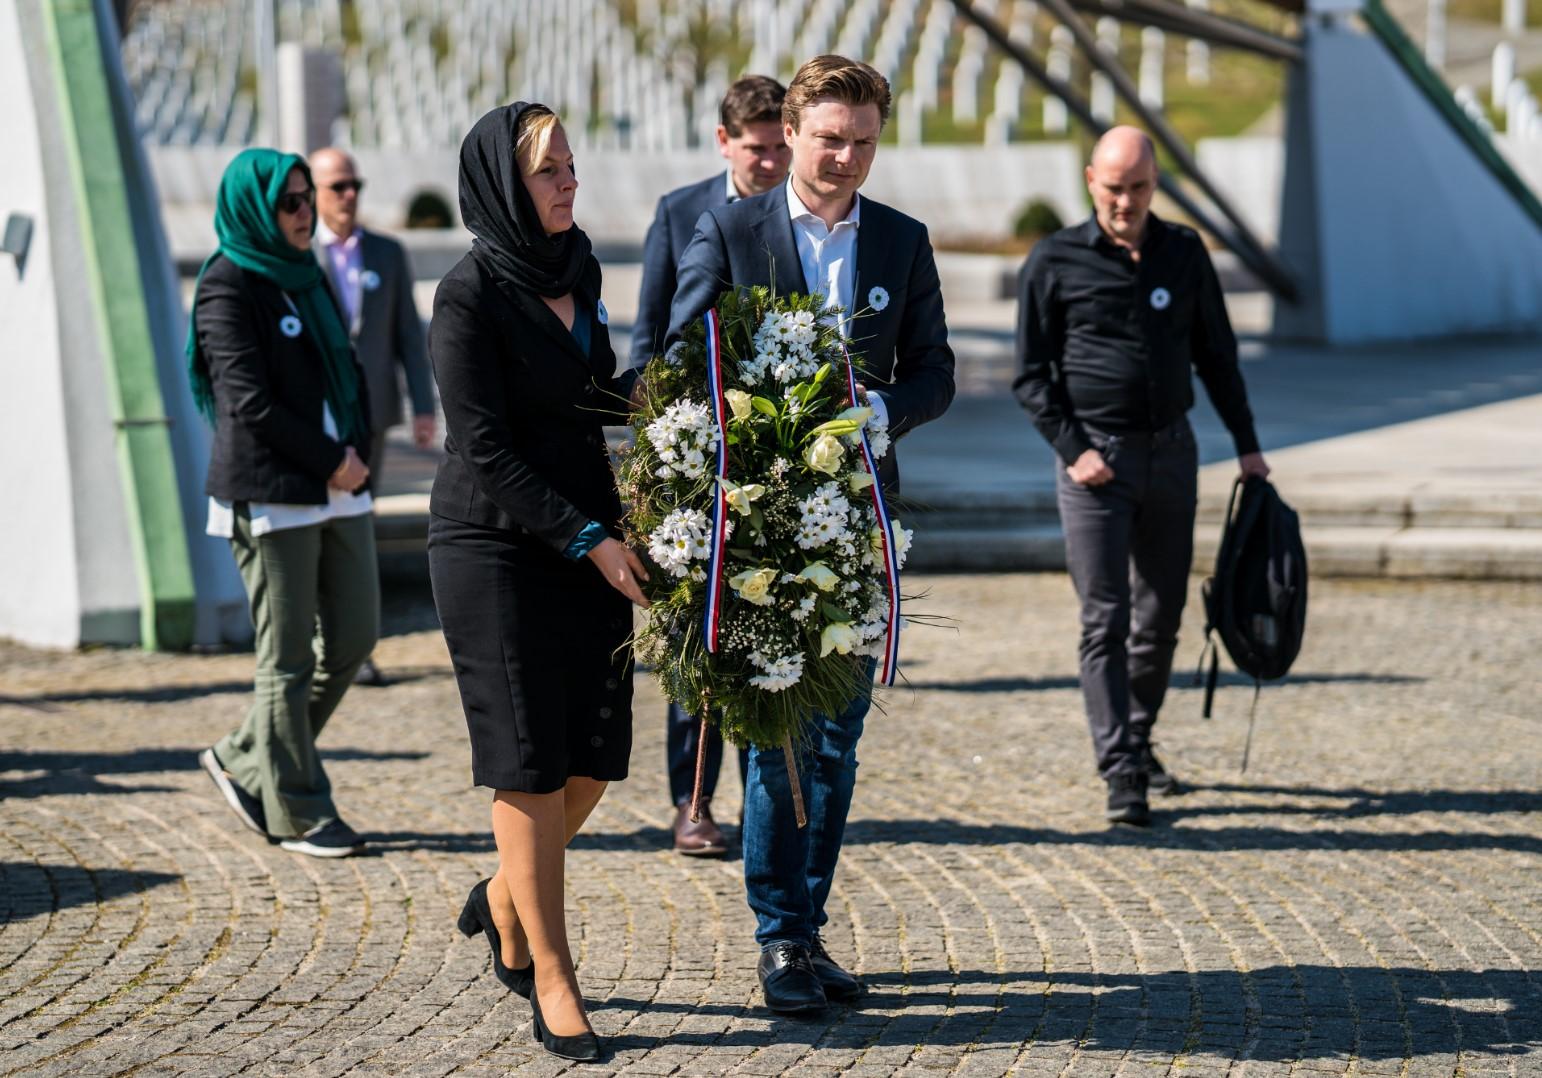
704, 838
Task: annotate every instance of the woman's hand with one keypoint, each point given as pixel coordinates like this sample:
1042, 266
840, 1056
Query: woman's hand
351, 474
621, 569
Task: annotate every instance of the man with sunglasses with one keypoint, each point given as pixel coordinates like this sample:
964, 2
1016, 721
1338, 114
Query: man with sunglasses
373, 282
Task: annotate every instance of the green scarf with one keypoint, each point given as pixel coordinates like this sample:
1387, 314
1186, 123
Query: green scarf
246, 222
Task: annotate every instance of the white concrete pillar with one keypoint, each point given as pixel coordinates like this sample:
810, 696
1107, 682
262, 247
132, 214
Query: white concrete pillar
1103, 100
966, 88
1435, 34
1197, 53
1153, 53
910, 114
1522, 111
1501, 73
1056, 118
1513, 16
1515, 97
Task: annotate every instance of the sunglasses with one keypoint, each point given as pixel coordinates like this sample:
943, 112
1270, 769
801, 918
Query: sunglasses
342, 187
291, 201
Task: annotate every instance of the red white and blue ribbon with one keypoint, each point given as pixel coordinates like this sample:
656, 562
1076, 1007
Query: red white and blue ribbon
718, 535
890, 558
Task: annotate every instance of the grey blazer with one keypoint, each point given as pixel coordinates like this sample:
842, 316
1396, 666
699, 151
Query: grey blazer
387, 331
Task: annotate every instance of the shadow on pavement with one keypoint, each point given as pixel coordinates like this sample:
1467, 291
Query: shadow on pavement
28, 889
1277, 1013
1048, 684
82, 772
944, 832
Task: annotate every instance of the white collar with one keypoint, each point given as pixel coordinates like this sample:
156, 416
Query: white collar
733, 191
327, 238
798, 211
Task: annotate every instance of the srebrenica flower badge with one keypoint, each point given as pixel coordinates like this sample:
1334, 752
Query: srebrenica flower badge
753, 485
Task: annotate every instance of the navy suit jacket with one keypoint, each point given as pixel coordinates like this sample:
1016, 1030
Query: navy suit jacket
674, 222
901, 352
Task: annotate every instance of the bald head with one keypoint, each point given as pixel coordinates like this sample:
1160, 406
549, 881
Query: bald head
1124, 147
337, 189
1121, 178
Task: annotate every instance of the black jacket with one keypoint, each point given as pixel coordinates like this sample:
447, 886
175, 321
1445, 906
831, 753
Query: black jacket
674, 223
902, 351
525, 410
268, 394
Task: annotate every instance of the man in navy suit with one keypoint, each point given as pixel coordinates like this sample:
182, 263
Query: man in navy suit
750, 137
816, 234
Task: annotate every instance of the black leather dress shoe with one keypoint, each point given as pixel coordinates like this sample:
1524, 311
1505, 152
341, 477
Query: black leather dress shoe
837, 983
788, 980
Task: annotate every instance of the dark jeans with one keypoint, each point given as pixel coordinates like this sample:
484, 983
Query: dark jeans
788, 870
1129, 544
680, 751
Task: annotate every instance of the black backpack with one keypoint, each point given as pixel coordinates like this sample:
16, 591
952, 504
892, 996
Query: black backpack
1256, 601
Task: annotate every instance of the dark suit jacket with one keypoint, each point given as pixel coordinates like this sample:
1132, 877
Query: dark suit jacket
268, 393
674, 222
387, 332
525, 408
901, 352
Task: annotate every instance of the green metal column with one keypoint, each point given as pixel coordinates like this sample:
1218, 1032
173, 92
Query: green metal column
74, 40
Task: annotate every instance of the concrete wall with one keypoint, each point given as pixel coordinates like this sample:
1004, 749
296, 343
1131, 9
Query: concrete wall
39, 595
961, 193
1399, 229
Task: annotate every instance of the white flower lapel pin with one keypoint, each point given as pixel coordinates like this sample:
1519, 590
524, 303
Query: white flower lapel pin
878, 297
289, 326
370, 280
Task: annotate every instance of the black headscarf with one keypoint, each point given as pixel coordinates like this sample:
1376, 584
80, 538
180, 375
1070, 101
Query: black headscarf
510, 242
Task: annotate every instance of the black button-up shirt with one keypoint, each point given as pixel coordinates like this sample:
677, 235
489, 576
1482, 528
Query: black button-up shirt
1107, 342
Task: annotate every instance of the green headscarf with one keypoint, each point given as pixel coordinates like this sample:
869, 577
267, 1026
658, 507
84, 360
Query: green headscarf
246, 222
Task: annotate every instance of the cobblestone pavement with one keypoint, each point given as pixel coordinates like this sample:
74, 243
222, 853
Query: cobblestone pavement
1365, 900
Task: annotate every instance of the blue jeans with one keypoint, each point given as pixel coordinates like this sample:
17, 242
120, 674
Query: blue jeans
788, 870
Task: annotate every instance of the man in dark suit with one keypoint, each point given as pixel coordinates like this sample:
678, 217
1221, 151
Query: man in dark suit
750, 137
816, 234
372, 280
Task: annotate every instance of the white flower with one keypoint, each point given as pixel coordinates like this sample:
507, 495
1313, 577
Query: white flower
818, 574
837, 636
780, 673
682, 437
680, 538
857, 482
825, 454
877, 297
738, 402
741, 495
754, 585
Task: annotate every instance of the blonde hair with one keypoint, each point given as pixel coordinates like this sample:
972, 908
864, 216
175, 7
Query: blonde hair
532, 138
850, 82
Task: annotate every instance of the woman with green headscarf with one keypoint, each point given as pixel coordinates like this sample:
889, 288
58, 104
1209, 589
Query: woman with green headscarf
273, 370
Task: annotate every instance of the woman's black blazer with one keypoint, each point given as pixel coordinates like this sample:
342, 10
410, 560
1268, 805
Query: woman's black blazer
268, 393
525, 409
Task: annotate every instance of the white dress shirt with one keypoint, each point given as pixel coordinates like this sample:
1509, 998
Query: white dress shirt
345, 265
829, 258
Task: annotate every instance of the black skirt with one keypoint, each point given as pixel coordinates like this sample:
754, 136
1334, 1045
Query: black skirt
541, 647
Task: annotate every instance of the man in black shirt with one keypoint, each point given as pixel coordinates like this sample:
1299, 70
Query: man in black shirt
1112, 315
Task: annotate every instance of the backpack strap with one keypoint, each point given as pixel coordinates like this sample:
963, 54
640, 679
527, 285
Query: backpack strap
1247, 746
1211, 677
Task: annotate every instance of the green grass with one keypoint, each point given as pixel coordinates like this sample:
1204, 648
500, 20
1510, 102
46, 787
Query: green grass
1489, 11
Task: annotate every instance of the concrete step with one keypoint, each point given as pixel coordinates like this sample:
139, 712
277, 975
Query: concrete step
985, 534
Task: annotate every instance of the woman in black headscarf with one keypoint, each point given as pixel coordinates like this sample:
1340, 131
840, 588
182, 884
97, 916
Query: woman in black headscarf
532, 584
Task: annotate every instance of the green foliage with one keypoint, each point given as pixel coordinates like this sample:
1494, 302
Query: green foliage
768, 433
1038, 218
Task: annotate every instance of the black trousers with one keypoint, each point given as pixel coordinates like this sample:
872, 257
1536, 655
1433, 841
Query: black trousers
680, 750
1129, 544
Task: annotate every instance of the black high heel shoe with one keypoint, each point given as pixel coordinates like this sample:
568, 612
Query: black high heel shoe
476, 916
583, 1047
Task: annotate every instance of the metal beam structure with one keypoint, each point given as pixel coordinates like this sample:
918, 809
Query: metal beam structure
1202, 25
1238, 238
